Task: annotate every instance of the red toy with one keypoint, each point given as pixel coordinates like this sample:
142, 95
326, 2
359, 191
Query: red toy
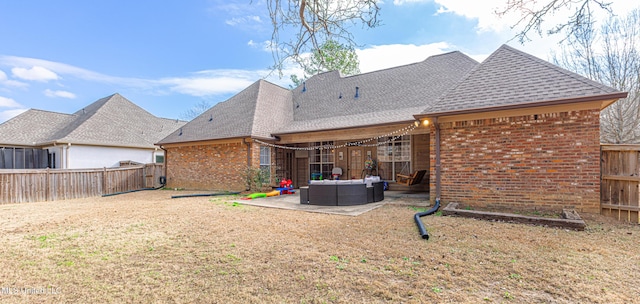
286, 187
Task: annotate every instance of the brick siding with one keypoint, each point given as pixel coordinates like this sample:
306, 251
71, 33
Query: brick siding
209, 167
546, 161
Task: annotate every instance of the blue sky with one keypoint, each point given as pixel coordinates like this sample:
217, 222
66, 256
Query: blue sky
169, 56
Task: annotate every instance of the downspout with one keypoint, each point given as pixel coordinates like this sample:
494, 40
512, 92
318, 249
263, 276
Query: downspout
423, 231
244, 140
437, 148
166, 162
66, 156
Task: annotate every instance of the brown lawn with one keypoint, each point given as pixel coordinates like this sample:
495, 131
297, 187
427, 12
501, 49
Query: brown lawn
144, 247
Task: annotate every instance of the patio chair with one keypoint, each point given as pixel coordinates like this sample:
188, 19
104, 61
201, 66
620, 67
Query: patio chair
412, 179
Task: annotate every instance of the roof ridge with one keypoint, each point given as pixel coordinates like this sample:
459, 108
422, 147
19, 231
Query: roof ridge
510, 77
254, 117
273, 102
559, 69
460, 81
47, 111
409, 64
83, 117
393, 67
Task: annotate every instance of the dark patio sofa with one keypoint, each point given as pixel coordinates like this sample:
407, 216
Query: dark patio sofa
342, 192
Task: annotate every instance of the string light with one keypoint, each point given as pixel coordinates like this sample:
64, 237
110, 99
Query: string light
362, 143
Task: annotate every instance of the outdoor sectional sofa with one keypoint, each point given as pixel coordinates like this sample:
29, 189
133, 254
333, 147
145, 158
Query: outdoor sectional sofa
342, 192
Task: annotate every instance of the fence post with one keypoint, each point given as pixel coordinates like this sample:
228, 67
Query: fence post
104, 180
47, 193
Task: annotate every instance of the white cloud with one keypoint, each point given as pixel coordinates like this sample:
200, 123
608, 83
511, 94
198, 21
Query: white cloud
488, 20
380, 57
36, 73
243, 20
63, 94
8, 114
76, 72
204, 83
224, 82
211, 82
6, 102
484, 11
5, 81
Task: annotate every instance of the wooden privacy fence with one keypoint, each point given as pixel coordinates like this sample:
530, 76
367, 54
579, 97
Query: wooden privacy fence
20, 186
620, 178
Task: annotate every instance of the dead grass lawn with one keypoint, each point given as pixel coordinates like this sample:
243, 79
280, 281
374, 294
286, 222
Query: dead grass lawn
144, 247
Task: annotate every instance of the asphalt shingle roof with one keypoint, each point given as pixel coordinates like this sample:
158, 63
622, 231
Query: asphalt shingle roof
443, 83
510, 77
110, 121
32, 127
391, 95
328, 101
254, 112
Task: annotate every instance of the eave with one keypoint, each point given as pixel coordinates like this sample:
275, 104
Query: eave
604, 101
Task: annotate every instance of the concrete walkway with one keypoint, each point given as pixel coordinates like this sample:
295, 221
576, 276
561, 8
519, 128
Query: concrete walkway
292, 202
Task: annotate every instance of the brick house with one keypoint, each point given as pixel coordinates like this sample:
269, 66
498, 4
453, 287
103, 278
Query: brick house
513, 131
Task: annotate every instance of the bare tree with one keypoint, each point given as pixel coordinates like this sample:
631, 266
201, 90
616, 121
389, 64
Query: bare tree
311, 23
533, 16
611, 55
196, 110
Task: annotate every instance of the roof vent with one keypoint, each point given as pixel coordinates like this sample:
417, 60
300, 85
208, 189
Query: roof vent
304, 86
180, 134
211, 117
340, 97
357, 92
84, 111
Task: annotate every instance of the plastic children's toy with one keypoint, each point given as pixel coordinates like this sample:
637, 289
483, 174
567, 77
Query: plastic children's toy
256, 195
286, 187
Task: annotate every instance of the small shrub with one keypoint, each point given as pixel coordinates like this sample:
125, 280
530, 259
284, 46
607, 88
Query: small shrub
256, 179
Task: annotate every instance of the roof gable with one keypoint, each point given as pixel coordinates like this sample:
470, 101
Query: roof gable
255, 111
114, 120
510, 77
110, 121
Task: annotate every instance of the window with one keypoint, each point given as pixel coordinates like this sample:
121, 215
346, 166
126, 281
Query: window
265, 163
394, 157
159, 159
321, 161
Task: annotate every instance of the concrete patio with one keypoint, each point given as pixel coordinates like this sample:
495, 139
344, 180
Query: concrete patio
292, 202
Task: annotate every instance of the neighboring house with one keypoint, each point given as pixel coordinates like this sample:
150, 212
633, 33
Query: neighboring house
513, 131
103, 134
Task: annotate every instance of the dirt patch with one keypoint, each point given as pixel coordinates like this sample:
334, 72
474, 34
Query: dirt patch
146, 247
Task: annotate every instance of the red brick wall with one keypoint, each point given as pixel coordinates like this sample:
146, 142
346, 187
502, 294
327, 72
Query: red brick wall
544, 161
209, 167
